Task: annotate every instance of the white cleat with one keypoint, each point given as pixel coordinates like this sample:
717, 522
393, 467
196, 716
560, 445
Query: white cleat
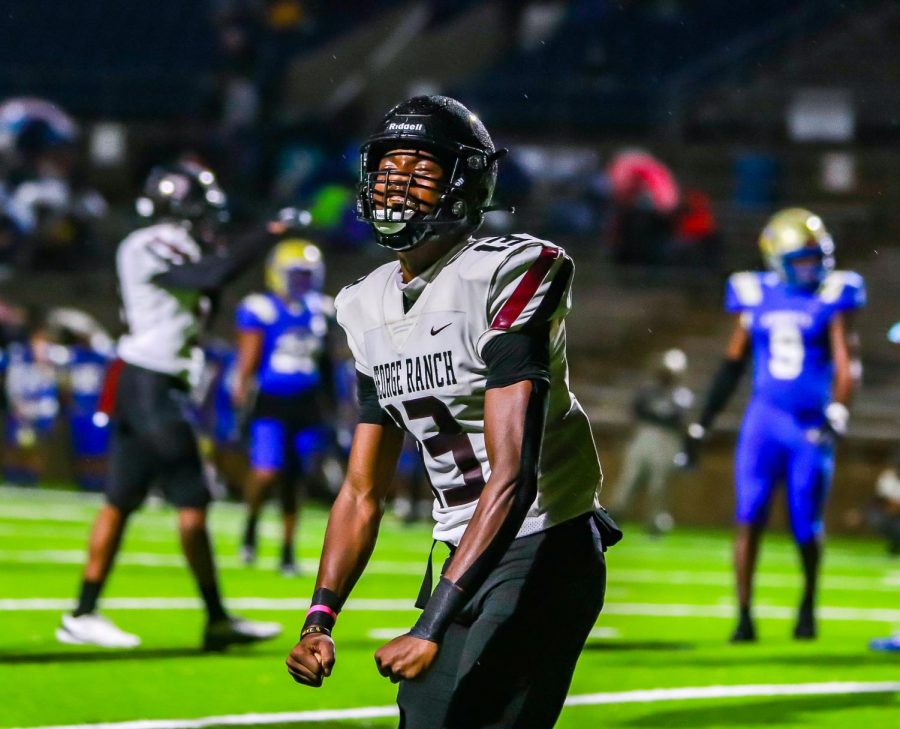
93, 629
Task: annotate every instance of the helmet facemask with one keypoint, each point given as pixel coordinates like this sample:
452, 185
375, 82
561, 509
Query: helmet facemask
407, 208
805, 268
300, 281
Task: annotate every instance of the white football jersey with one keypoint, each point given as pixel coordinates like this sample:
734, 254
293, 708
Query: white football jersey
430, 375
163, 326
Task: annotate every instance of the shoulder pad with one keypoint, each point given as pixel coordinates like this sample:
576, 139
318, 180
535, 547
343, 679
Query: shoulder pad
531, 284
364, 286
484, 256
357, 308
326, 305
319, 304
844, 289
262, 307
744, 290
171, 244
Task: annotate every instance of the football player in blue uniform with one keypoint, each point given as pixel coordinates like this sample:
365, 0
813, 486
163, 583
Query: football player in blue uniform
85, 374
31, 371
86, 351
282, 345
794, 322
218, 423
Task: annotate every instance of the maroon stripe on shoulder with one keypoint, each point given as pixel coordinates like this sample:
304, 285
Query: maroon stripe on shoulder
526, 289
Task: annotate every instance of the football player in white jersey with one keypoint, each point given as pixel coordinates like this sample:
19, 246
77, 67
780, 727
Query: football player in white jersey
168, 271
461, 343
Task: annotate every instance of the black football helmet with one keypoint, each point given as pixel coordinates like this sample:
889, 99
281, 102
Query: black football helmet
448, 132
184, 191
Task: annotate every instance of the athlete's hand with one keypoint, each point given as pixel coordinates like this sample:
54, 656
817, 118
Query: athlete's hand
405, 657
311, 660
689, 454
239, 393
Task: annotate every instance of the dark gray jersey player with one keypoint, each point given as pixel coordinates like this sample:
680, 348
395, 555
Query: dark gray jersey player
168, 273
461, 343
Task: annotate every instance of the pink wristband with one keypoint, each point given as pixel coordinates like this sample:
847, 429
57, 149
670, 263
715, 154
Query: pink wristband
321, 609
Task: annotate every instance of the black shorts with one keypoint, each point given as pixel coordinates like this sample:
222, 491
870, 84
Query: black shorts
508, 660
153, 442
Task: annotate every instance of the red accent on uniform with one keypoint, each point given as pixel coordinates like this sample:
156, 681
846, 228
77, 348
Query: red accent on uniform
526, 289
107, 402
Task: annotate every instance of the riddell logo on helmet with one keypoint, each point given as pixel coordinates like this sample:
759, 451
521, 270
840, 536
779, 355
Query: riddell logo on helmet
406, 127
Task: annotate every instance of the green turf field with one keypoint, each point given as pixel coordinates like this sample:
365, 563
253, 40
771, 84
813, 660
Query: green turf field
668, 612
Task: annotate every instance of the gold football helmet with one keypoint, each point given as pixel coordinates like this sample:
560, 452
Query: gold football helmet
796, 244
294, 267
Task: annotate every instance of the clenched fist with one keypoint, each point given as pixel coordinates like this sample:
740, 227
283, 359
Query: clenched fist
405, 657
311, 660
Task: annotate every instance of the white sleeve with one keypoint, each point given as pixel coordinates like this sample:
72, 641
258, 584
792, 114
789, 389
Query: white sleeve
350, 323
533, 285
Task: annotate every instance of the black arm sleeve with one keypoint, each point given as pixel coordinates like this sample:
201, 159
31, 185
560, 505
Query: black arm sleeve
370, 410
517, 356
213, 271
449, 598
724, 384
655, 404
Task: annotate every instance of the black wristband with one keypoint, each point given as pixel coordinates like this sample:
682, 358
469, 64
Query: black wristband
443, 606
324, 618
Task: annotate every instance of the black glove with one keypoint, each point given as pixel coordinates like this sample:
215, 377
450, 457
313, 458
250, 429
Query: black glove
689, 454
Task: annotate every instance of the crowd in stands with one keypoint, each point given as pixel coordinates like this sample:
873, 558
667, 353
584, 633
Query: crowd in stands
49, 216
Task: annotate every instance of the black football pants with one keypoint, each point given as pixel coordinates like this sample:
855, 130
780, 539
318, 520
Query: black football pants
152, 440
508, 661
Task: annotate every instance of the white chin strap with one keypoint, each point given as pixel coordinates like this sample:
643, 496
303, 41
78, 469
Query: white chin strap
389, 228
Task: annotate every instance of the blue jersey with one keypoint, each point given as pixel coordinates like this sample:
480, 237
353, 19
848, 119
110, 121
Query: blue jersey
225, 418
788, 327
31, 388
293, 340
86, 372
215, 414
86, 369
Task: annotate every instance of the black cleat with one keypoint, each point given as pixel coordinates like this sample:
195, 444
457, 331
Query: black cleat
805, 628
248, 554
288, 568
233, 630
288, 565
745, 632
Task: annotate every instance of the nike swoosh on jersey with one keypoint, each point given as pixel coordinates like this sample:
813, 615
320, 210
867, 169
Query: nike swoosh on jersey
438, 331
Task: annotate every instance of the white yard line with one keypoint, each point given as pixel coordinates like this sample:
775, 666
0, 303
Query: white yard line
830, 581
191, 603
619, 697
660, 610
732, 692
391, 633
668, 610
887, 583
71, 506
153, 559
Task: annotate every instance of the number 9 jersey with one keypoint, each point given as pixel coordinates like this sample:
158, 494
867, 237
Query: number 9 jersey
426, 360
788, 327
